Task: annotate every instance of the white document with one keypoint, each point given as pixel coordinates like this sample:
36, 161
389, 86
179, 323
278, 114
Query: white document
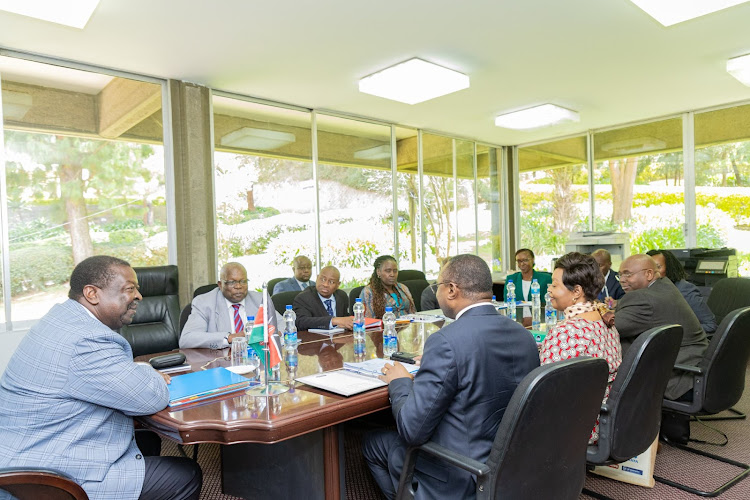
322, 331
374, 367
342, 382
423, 318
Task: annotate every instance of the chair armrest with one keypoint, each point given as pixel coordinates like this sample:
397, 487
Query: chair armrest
468, 464
688, 368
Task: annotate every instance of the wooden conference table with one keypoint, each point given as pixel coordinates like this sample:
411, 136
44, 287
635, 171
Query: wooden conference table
302, 425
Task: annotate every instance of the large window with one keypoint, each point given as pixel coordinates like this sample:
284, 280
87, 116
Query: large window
722, 179
265, 193
407, 193
356, 195
83, 175
490, 202
438, 198
638, 184
554, 196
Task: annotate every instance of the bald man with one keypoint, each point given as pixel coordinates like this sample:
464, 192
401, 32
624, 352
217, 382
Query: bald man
652, 301
323, 306
220, 315
302, 268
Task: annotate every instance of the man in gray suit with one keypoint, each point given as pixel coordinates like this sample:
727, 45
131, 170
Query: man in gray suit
323, 306
652, 301
220, 315
469, 371
71, 389
302, 268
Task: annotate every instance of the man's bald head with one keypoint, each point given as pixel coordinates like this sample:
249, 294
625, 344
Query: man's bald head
637, 272
328, 281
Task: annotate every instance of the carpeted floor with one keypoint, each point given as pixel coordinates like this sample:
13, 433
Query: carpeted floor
671, 463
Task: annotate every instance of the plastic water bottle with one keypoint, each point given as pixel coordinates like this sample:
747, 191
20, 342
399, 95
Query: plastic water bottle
290, 326
536, 305
511, 299
390, 341
359, 320
550, 313
248, 330
359, 350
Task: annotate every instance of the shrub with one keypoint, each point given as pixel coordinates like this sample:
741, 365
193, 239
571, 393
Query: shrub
125, 236
36, 267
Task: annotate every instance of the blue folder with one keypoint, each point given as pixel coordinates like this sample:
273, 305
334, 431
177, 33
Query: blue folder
204, 384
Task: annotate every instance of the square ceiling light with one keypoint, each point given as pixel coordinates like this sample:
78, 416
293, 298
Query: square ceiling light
739, 67
536, 117
73, 13
669, 12
413, 81
257, 138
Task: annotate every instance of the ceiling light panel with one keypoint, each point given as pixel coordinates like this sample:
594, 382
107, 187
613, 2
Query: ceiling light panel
536, 117
739, 67
669, 12
258, 139
413, 81
73, 13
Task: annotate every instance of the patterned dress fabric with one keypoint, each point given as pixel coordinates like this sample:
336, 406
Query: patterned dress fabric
581, 337
402, 303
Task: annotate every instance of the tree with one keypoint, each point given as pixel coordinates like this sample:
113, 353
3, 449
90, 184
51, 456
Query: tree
73, 170
622, 174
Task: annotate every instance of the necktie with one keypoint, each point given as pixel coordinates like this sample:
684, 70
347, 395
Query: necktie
328, 307
237, 319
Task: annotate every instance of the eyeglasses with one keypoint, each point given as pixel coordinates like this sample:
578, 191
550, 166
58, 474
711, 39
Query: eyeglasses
522, 261
231, 283
435, 286
627, 275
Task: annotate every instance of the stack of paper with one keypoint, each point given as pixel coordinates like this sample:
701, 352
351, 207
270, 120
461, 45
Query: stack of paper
353, 378
374, 367
204, 384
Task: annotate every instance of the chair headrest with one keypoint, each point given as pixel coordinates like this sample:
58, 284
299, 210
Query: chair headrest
158, 280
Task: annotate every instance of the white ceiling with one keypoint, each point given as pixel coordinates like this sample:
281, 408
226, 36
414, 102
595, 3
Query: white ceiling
606, 59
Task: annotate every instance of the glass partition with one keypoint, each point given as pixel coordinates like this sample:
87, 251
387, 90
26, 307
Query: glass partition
722, 179
554, 195
638, 184
438, 201
265, 193
407, 199
84, 176
356, 195
490, 205
465, 208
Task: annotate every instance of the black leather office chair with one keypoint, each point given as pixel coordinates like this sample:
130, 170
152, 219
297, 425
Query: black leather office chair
272, 283
530, 457
629, 421
718, 383
354, 294
204, 289
40, 484
281, 300
410, 274
155, 327
416, 287
728, 295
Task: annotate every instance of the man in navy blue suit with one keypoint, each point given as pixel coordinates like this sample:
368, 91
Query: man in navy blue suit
612, 288
467, 376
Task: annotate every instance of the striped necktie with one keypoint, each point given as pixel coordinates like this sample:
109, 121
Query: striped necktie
328, 307
237, 319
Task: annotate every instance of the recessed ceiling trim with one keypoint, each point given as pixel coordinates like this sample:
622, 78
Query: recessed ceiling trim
75, 13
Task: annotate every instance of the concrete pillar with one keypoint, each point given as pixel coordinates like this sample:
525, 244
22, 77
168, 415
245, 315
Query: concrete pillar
194, 187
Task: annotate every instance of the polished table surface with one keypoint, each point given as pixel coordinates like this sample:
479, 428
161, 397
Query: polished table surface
239, 418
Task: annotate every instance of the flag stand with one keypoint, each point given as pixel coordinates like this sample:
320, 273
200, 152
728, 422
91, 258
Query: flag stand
266, 388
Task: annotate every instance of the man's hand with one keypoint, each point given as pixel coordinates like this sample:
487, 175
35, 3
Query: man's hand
166, 377
609, 319
235, 336
610, 303
343, 321
394, 371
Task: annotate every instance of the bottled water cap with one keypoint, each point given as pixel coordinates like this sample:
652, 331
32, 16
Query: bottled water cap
289, 306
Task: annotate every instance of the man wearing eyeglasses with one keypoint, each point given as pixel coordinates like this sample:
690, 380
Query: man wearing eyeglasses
652, 301
219, 316
323, 306
467, 376
302, 268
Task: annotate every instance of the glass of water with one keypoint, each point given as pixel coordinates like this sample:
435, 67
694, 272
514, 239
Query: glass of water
239, 351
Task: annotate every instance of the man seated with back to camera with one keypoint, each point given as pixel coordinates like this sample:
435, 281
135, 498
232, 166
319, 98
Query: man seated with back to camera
71, 389
302, 269
467, 376
652, 301
323, 306
219, 316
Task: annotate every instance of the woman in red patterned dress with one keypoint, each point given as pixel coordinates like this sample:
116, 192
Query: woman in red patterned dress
576, 282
